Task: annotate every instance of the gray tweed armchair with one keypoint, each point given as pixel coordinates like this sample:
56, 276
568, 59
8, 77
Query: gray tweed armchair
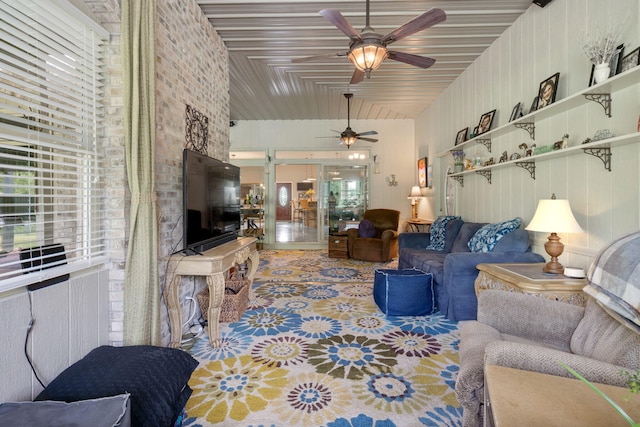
532, 333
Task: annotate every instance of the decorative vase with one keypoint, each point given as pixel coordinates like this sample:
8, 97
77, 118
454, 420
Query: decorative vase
601, 72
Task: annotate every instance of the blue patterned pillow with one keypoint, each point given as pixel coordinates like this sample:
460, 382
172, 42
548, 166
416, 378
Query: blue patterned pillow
487, 237
438, 228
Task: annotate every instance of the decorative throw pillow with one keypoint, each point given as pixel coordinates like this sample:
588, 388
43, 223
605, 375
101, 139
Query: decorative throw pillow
366, 229
156, 378
487, 237
112, 411
438, 229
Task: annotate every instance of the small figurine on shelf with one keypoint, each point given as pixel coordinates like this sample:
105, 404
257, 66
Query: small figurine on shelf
565, 140
504, 157
523, 147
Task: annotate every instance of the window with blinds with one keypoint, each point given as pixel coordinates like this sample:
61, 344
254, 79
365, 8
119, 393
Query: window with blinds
51, 117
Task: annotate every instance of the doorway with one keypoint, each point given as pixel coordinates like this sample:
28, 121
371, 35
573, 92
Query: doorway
306, 195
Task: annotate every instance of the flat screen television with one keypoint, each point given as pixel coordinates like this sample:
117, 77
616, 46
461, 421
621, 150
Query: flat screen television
211, 202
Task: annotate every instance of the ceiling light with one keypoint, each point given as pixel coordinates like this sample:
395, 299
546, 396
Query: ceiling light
368, 56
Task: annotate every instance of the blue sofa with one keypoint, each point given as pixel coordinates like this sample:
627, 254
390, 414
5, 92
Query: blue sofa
454, 269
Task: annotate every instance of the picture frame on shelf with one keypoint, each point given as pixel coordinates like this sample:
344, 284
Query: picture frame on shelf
630, 60
615, 64
486, 120
430, 176
422, 171
547, 91
462, 136
516, 112
534, 105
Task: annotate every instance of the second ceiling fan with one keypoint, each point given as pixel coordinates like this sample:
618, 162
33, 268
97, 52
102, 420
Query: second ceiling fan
368, 49
348, 136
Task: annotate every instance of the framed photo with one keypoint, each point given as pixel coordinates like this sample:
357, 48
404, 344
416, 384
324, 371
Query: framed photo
422, 172
516, 112
430, 176
614, 64
534, 105
631, 60
485, 122
462, 136
547, 92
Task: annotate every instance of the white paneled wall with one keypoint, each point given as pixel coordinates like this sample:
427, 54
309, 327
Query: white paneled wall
70, 319
542, 42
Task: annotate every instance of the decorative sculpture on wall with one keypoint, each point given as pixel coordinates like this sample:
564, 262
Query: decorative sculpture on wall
197, 130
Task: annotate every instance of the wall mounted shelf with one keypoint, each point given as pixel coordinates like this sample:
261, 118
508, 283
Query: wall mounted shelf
599, 93
600, 149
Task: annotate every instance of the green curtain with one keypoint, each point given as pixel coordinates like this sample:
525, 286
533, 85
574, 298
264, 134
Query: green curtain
141, 290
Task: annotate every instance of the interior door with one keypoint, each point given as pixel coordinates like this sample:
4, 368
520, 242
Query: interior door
283, 201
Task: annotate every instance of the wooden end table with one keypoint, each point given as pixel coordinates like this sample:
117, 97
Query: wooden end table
419, 225
520, 398
529, 279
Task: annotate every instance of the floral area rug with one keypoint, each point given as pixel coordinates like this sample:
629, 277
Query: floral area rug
319, 352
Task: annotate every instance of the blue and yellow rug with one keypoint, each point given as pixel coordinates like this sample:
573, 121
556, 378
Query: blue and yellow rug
314, 350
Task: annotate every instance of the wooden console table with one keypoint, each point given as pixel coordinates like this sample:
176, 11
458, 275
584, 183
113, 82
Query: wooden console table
529, 279
213, 264
522, 398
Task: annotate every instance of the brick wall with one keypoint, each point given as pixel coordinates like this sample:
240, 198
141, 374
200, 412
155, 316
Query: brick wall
191, 68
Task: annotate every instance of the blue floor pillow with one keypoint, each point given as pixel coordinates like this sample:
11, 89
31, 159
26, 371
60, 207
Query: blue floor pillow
406, 292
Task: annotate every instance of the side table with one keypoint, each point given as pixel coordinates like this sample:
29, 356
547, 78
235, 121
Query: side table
529, 279
515, 397
338, 247
419, 225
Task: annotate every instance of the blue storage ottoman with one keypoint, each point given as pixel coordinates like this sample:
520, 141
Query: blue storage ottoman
406, 292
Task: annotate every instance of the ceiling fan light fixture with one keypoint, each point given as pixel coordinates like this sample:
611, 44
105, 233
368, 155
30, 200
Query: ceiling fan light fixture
368, 56
348, 140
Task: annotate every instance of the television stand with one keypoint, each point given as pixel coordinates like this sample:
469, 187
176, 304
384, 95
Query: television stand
213, 264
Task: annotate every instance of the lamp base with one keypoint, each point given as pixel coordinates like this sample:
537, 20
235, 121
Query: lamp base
554, 248
553, 267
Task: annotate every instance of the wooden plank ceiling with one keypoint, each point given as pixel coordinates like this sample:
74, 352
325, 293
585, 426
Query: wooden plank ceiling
263, 36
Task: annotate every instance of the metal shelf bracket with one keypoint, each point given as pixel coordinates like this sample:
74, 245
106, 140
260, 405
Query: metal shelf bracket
460, 179
529, 166
486, 173
486, 142
603, 153
529, 127
603, 99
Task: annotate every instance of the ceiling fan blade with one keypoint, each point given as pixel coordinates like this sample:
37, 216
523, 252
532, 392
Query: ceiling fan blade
368, 139
371, 132
428, 19
357, 77
408, 58
325, 56
341, 23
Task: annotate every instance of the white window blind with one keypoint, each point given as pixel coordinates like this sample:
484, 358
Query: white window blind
51, 116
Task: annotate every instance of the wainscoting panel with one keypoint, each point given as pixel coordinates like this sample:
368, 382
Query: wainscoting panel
70, 319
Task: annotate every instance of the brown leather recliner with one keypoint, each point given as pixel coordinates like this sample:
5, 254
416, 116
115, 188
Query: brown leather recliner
384, 245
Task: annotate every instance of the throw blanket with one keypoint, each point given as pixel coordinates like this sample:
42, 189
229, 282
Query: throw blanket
614, 279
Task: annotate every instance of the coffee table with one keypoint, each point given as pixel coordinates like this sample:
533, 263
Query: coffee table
520, 398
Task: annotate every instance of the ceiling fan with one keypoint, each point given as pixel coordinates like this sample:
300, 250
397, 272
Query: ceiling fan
348, 136
368, 49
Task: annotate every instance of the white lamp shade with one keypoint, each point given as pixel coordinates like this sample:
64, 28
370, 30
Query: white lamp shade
554, 216
415, 192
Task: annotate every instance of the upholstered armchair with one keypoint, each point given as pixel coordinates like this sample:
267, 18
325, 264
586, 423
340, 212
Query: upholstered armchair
600, 341
382, 245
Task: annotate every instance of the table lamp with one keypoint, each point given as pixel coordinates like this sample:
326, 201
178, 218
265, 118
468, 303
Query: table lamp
554, 216
415, 196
